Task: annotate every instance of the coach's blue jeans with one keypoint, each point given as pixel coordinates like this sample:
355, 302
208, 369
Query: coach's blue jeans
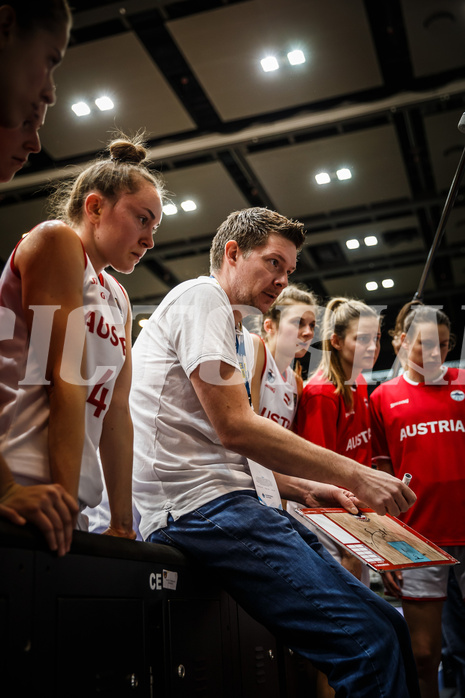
276, 569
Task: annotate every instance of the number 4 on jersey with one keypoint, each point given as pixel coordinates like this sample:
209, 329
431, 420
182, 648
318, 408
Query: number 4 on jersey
98, 395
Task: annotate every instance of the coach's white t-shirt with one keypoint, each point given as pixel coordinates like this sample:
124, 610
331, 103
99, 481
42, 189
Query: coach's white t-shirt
179, 461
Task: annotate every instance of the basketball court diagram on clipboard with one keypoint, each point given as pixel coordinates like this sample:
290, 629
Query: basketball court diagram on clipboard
382, 542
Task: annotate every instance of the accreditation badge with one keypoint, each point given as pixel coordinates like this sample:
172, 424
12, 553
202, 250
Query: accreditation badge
265, 485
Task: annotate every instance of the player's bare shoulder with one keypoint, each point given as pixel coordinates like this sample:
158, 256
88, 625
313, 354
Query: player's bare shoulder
50, 242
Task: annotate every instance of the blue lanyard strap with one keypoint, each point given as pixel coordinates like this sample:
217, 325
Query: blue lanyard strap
240, 353
241, 357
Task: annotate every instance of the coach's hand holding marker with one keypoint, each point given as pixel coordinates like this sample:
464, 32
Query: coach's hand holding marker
396, 578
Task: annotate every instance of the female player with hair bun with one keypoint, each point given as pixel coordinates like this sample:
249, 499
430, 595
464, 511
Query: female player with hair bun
65, 374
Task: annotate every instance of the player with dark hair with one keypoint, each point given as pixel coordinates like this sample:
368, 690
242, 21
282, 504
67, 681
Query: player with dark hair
418, 427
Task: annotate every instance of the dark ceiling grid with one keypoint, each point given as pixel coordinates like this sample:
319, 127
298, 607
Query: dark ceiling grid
169, 59
411, 134
152, 32
241, 172
161, 271
85, 31
406, 219
391, 44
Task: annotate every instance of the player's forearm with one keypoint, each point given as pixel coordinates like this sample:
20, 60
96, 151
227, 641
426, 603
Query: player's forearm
66, 434
116, 451
310, 493
293, 488
6, 477
284, 452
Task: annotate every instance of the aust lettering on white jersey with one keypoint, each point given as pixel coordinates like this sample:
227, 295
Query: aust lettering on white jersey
284, 421
278, 393
104, 330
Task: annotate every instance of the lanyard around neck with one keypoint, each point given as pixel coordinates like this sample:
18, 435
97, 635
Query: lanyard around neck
240, 353
242, 359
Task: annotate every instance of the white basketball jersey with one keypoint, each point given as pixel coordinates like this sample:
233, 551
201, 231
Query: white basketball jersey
99, 326
278, 393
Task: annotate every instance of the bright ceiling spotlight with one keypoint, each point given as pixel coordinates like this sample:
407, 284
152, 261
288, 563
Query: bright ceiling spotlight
269, 63
170, 209
344, 173
322, 178
296, 57
143, 321
370, 240
371, 286
81, 109
387, 283
188, 205
352, 244
104, 103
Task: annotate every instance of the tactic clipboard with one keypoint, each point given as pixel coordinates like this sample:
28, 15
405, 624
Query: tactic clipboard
383, 542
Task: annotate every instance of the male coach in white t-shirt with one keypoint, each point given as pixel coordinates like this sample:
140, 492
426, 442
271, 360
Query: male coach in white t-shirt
195, 430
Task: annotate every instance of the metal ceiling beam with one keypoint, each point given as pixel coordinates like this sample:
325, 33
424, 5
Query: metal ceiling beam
116, 10
253, 134
394, 261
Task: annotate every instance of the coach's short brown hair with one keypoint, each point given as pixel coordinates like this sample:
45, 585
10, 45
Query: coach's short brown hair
251, 228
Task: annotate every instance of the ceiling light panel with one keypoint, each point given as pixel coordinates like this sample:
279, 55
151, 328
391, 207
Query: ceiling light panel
104, 103
228, 35
343, 173
322, 178
269, 64
286, 175
80, 109
209, 180
111, 67
170, 209
188, 205
296, 57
